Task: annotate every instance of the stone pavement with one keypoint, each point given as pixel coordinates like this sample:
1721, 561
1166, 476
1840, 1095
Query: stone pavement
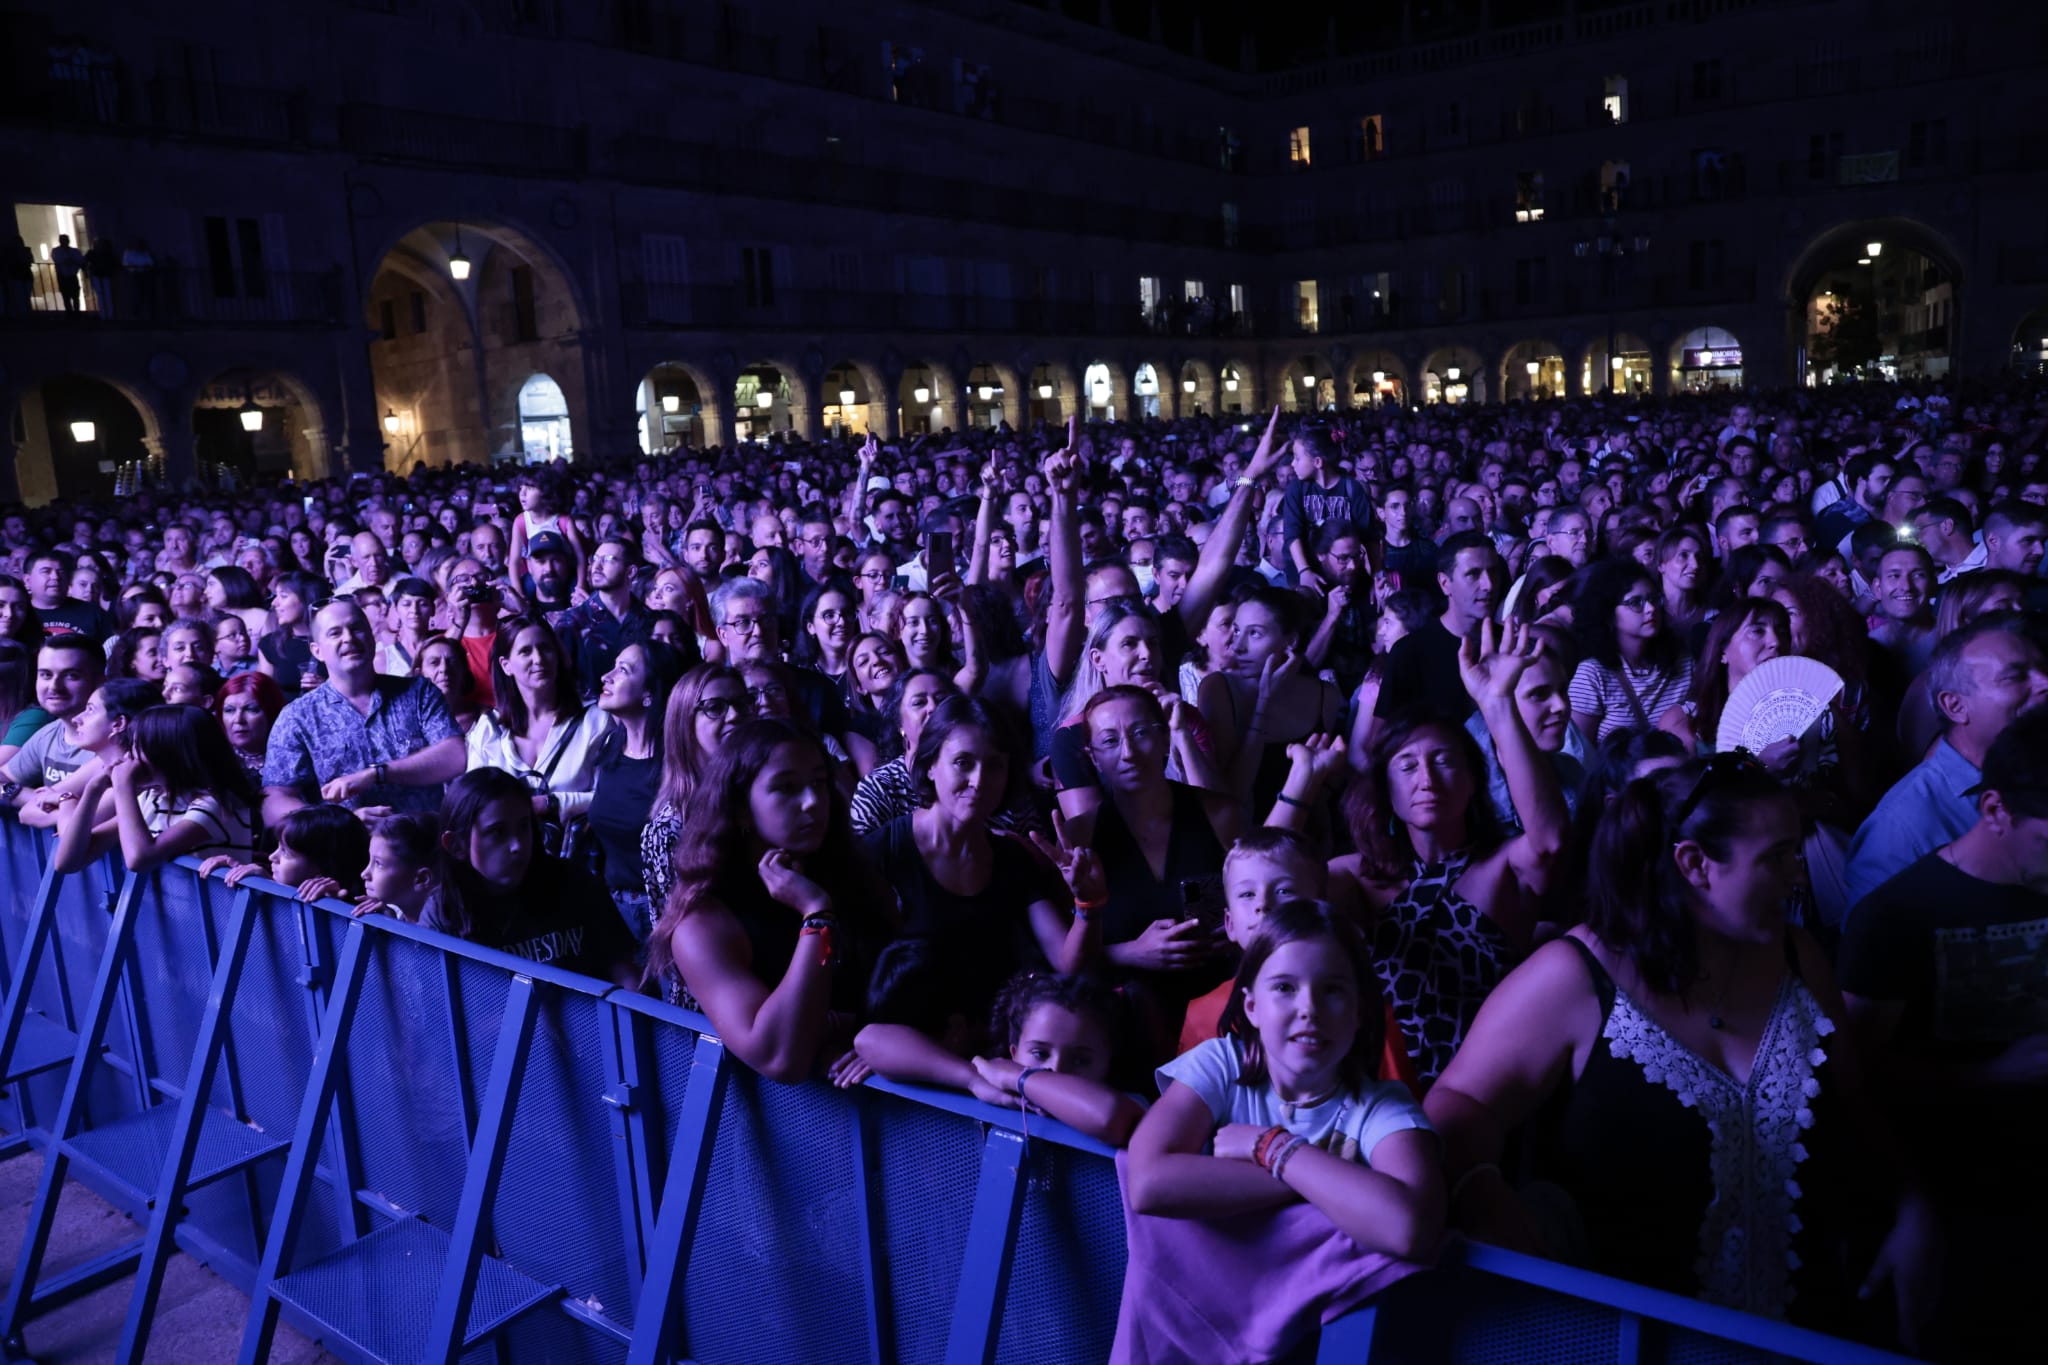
199, 1318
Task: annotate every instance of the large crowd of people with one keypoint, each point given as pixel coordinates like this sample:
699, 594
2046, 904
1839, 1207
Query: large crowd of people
1331, 809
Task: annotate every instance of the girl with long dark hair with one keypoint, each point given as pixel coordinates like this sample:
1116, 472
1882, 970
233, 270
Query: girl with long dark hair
772, 923
540, 729
499, 888
174, 787
703, 710
1634, 666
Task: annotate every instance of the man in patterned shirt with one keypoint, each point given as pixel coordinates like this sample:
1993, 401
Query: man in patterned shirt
360, 738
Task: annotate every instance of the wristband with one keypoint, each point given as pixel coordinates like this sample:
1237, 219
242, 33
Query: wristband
1263, 1149
1026, 1074
823, 919
1244, 481
383, 772
1284, 799
1277, 1168
1087, 909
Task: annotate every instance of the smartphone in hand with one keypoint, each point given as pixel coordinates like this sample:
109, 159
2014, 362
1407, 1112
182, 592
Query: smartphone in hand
938, 554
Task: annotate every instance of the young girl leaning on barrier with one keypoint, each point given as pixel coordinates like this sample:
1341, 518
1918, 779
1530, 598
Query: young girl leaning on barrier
499, 889
1056, 1034
320, 853
171, 786
1286, 1107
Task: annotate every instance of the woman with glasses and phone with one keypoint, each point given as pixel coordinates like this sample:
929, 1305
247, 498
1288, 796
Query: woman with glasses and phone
703, 711
1690, 1112
1635, 666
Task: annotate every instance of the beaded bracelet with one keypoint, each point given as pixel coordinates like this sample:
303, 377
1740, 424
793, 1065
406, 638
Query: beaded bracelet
1286, 1153
1085, 910
1262, 1150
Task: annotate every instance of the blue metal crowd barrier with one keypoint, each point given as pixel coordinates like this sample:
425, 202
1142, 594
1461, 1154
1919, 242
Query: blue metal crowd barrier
417, 1150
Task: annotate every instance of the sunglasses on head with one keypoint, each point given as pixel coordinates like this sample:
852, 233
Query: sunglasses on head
1719, 768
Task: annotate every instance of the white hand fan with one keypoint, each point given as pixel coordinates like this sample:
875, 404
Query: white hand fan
1780, 699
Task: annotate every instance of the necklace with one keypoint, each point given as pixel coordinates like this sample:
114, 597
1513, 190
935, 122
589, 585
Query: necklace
1288, 1108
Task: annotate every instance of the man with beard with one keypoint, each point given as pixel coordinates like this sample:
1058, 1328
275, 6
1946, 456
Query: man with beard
1422, 669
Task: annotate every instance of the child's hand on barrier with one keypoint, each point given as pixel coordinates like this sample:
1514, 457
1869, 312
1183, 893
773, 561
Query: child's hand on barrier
319, 889
849, 1071
235, 874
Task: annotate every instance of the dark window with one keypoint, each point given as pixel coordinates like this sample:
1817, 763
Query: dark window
525, 324
1531, 279
1822, 151
249, 241
1706, 264
1706, 79
1927, 143
419, 311
220, 258
387, 319
757, 273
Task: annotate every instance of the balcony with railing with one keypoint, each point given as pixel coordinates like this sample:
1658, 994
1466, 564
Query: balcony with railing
382, 132
648, 159
168, 296
731, 308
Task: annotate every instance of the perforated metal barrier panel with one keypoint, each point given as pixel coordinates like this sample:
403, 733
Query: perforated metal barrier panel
419, 1150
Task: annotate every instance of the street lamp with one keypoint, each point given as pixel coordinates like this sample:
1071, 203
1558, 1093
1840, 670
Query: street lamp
1451, 373
1187, 386
83, 432
985, 392
671, 403
390, 422
1873, 248
252, 417
458, 264
1045, 390
1308, 381
846, 398
1230, 382
765, 399
1534, 367
922, 394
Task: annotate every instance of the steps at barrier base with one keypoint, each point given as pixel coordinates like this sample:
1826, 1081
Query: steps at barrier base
132, 1151
377, 1294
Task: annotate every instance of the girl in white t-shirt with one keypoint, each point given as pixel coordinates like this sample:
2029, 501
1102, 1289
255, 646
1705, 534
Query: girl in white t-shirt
1287, 1107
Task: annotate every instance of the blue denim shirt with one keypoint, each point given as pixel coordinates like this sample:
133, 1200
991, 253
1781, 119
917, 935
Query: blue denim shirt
1924, 810
321, 736
1570, 762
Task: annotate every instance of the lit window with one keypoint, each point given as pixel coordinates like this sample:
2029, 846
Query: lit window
1306, 311
1297, 146
1614, 100
1529, 197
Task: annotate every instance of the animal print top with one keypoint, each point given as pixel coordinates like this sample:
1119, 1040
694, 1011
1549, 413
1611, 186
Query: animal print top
1438, 957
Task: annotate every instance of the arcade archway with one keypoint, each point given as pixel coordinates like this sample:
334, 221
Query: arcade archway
1454, 374
1874, 299
1706, 358
259, 424
672, 413
1533, 370
462, 315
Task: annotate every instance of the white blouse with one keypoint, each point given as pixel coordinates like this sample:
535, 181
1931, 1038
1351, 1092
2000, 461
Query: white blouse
567, 764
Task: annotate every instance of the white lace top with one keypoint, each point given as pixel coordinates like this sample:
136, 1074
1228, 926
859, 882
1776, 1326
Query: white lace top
1746, 1259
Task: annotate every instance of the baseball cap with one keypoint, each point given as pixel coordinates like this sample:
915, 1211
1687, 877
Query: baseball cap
2016, 765
547, 543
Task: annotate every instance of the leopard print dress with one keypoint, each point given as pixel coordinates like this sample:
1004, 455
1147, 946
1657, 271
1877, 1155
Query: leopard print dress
1438, 957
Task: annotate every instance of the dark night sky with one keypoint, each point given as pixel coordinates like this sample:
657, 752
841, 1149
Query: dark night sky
1299, 31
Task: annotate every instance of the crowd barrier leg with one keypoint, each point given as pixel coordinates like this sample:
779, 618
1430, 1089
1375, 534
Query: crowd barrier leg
659, 1319
627, 1060
410, 1291
21, 855
232, 1146
991, 1240
452, 1328
24, 1295
32, 1043
299, 1167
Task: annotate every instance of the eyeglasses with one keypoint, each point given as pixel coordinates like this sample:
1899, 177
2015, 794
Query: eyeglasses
1718, 768
1638, 602
718, 708
767, 692
1138, 737
744, 625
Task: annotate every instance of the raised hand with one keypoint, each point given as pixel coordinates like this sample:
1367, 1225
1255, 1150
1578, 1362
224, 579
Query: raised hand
1268, 453
1078, 865
1493, 658
1277, 670
782, 873
1317, 758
